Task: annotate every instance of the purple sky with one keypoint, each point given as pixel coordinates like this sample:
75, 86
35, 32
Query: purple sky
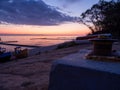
42, 12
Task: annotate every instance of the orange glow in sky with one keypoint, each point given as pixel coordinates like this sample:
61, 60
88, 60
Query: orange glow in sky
65, 29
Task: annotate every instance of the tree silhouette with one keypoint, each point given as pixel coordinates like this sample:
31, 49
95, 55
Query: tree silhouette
111, 22
103, 17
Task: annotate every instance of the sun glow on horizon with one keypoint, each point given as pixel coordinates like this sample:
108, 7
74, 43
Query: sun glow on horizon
63, 29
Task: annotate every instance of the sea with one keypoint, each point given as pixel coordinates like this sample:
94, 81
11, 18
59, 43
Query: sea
33, 40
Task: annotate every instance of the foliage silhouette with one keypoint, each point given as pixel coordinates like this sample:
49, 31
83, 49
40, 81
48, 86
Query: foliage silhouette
103, 17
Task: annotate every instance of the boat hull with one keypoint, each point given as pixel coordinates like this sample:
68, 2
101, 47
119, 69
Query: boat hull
5, 57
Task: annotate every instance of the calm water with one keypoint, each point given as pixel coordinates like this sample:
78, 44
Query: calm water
37, 40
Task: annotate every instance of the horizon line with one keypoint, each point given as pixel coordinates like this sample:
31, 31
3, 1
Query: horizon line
2, 34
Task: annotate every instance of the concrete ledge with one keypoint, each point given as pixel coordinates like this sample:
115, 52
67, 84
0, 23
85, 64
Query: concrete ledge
75, 73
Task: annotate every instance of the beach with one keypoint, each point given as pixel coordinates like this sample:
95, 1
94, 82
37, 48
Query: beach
32, 73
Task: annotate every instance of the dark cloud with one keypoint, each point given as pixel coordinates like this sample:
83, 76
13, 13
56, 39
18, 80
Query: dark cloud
31, 12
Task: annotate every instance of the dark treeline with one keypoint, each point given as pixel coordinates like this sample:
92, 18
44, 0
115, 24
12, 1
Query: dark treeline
103, 17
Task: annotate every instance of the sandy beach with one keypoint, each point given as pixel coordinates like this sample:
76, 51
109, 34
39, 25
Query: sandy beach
32, 73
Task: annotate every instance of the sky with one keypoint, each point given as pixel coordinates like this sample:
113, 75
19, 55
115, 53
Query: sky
63, 29
37, 18
72, 7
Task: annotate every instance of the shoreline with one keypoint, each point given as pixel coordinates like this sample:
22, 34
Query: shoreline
19, 45
39, 49
42, 49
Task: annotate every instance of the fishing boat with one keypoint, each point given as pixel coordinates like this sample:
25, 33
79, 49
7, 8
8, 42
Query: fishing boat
20, 53
4, 56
